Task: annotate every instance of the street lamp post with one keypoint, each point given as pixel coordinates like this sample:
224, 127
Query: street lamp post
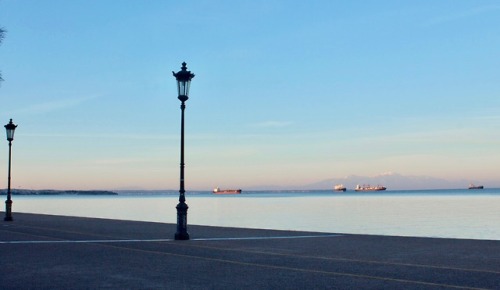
183, 78
10, 128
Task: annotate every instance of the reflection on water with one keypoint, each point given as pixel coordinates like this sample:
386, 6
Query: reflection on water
403, 214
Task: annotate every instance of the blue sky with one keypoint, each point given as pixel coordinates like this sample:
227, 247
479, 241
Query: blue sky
286, 92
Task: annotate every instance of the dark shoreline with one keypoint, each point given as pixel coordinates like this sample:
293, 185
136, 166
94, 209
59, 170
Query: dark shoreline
57, 192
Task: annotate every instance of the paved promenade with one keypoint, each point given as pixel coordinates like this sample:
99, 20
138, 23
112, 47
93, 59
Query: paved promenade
55, 252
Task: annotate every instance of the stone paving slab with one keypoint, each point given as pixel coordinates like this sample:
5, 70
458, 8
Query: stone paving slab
58, 252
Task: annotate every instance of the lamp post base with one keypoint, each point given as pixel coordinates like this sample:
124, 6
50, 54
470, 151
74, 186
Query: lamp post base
181, 236
182, 233
8, 211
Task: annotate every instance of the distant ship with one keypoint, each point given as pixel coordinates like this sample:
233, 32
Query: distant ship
339, 187
472, 186
226, 191
369, 188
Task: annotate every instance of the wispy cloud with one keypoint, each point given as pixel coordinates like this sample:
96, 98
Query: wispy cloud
105, 136
461, 15
272, 124
54, 105
119, 161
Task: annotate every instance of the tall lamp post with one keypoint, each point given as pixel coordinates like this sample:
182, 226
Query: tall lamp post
183, 78
10, 128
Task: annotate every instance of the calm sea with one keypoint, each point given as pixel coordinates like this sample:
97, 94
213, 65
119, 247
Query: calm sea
471, 214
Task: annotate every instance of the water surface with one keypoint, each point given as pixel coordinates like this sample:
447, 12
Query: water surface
431, 213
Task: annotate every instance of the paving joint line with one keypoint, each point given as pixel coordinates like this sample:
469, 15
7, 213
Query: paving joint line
158, 240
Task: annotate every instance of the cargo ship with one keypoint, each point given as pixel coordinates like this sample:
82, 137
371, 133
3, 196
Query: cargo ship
472, 186
369, 188
339, 187
226, 191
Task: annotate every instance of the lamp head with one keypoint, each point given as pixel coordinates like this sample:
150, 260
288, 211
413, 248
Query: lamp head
10, 128
183, 78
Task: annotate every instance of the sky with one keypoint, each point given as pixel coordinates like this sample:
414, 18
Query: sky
286, 92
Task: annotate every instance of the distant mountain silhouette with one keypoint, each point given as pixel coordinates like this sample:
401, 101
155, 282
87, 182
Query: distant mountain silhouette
393, 181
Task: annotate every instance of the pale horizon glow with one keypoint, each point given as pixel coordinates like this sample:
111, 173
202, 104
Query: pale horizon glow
286, 93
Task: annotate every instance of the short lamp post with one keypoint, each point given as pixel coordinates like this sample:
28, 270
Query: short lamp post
10, 128
183, 78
